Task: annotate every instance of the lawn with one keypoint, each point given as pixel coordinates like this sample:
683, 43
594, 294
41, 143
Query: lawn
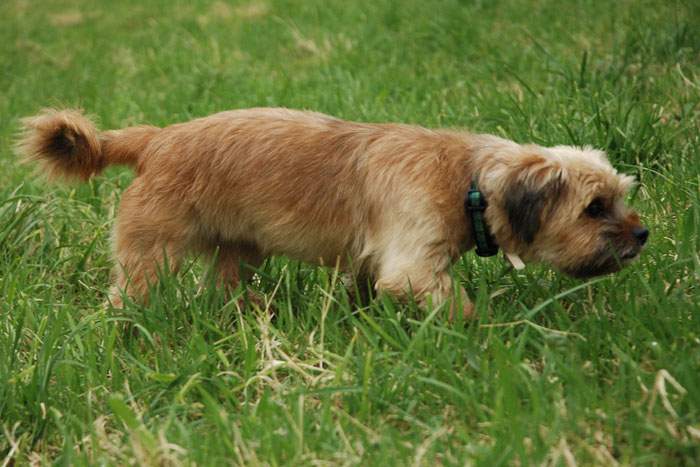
552, 371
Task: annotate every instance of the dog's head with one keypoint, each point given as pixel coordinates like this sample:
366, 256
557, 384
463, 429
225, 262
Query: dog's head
565, 206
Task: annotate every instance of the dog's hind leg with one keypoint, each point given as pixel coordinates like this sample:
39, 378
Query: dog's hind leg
235, 264
149, 239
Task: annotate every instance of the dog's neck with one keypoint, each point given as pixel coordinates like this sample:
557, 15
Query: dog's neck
475, 204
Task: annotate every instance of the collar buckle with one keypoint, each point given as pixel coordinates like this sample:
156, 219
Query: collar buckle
475, 201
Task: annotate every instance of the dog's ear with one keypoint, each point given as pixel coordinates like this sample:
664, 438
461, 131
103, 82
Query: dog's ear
533, 193
524, 208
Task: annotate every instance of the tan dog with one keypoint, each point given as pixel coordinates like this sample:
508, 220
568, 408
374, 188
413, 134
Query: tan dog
384, 201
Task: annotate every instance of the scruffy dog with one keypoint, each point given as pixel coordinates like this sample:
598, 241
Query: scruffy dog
382, 201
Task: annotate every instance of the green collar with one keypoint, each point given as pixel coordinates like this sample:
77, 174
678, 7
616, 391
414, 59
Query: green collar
475, 205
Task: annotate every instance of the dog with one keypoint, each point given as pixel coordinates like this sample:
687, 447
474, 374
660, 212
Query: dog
379, 201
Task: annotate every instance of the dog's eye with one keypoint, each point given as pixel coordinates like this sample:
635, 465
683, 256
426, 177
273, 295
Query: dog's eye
596, 208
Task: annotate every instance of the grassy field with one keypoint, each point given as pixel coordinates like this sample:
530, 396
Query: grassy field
553, 371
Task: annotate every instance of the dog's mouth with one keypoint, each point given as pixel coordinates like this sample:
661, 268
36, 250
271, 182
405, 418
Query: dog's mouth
630, 255
607, 262
586, 271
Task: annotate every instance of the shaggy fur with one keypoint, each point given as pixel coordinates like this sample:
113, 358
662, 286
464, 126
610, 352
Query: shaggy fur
384, 201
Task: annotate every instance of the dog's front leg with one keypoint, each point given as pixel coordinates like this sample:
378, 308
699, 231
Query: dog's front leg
429, 287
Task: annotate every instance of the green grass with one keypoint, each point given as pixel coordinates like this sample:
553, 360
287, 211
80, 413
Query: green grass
552, 371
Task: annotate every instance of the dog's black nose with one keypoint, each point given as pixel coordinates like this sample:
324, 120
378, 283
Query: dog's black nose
641, 234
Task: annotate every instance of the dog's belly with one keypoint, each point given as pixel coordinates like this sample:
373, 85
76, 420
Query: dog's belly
309, 248
297, 238
328, 233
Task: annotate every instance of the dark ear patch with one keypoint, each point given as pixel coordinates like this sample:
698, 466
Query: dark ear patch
524, 206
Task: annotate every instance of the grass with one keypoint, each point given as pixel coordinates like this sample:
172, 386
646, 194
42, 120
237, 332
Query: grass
553, 371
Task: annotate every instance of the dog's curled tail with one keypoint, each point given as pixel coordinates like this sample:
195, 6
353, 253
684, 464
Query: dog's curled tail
68, 145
